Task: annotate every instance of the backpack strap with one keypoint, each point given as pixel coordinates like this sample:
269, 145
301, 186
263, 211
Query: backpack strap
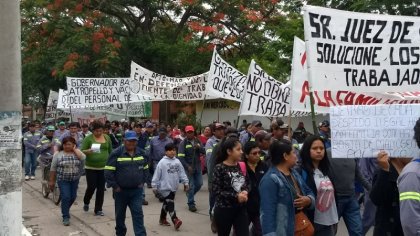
243, 167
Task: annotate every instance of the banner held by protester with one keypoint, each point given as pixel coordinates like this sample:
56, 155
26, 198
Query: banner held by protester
362, 52
224, 80
363, 131
327, 98
164, 88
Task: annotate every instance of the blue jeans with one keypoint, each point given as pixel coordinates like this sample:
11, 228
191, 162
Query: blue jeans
132, 198
195, 181
68, 193
348, 208
30, 163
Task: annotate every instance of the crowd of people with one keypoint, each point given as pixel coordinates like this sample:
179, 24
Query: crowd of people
261, 182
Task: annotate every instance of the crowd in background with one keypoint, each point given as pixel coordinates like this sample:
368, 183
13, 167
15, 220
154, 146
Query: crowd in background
260, 181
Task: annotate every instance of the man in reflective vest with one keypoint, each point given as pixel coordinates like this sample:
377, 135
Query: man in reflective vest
126, 171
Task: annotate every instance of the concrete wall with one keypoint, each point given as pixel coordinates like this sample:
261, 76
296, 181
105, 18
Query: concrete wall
10, 101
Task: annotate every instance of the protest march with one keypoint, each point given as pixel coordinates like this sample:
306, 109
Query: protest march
331, 149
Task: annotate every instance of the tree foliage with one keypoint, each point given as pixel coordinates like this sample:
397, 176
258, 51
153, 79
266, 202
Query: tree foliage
99, 38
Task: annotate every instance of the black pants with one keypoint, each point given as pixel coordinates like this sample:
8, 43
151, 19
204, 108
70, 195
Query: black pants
95, 181
168, 206
226, 217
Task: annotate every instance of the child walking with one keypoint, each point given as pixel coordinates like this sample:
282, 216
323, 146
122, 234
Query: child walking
166, 178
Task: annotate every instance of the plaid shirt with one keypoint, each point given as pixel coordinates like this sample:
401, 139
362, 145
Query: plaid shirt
67, 166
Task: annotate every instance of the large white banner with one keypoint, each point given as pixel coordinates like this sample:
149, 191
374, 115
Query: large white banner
325, 98
87, 92
224, 80
162, 87
362, 52
136, 109
363, 131
264, 95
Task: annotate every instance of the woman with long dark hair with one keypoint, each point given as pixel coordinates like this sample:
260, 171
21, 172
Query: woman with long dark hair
283, 193
255, 170
315, 171
230, 190
65, 167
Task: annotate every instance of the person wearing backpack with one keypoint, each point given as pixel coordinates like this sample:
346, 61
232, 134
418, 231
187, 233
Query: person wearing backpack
315, 171
230, 190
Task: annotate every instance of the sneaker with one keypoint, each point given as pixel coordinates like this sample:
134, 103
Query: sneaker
164, 222
32, 177
177, 223
26, 177
66, 222
145, 203
86, 207
99, 213
192, 208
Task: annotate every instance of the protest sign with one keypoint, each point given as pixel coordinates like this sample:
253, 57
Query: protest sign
136, 109
362, 52
162, 87
224, 80
82, 92
52, 112
325, 98
363, 131
264, 95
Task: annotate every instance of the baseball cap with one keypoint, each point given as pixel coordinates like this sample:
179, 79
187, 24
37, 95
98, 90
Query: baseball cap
189, 128
149, 125
162, 130
130, 135
284, 126
262, 135
219, 126
231, 132
61, 123
50, 128
324, 123
256, 123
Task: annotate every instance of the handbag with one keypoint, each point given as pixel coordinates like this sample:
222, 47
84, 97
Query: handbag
303, 226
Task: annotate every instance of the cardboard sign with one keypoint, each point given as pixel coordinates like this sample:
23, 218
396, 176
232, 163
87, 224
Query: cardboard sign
363, 131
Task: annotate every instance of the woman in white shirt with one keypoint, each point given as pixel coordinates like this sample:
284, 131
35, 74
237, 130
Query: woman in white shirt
315, 171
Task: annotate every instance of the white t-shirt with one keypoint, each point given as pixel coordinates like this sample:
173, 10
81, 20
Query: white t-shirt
325, 208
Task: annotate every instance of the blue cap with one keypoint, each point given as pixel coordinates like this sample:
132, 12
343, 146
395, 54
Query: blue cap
130, 135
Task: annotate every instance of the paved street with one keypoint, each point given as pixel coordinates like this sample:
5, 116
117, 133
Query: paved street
43, 218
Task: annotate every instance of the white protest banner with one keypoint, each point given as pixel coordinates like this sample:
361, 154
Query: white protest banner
52, 112
224, 80
325, 98
363, 131
264, 95
362, 52
162, 87
136, 109
84, 92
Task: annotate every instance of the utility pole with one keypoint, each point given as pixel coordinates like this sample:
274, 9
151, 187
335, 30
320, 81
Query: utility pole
10, 109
